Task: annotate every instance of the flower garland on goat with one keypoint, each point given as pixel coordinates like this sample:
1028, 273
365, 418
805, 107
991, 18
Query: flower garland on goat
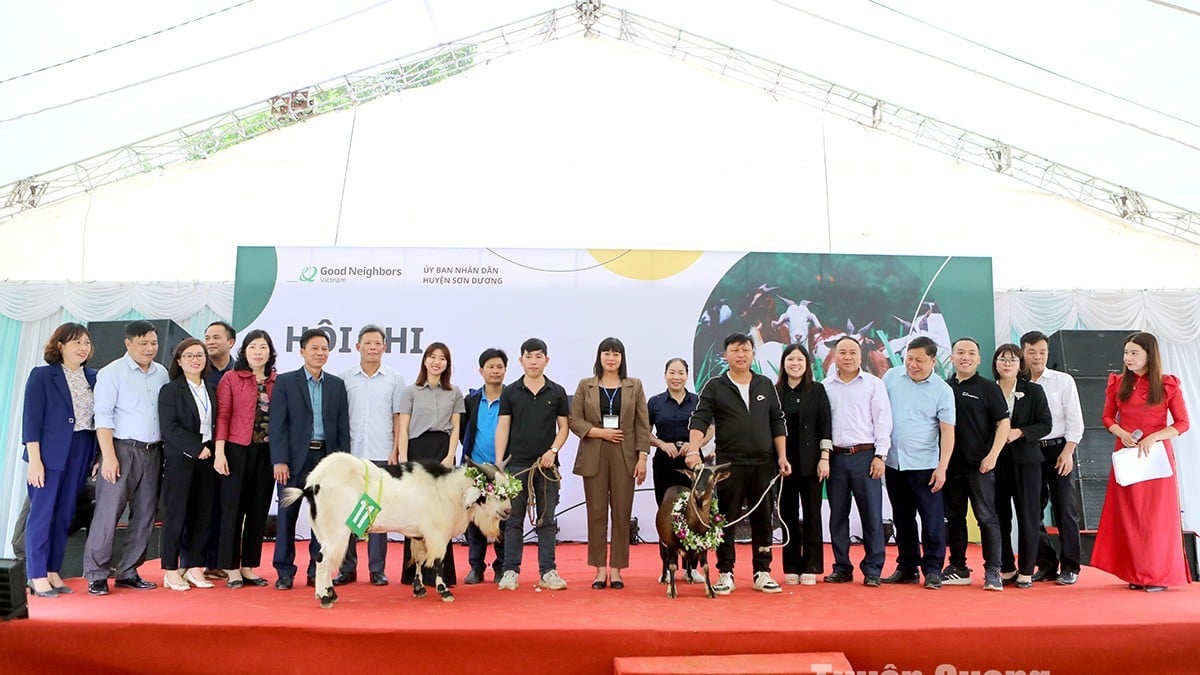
690, 540
507, 489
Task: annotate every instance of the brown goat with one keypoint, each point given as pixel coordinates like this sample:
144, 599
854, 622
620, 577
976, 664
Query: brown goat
704, 479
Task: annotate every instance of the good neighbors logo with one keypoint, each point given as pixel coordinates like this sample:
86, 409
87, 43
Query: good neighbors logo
327, 274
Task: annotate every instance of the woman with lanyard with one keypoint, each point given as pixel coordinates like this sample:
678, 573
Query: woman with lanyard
669, 413
243, 459
809, 441
1138, 537
59, 433
430, 414
1019, 468
608, 414
185, 417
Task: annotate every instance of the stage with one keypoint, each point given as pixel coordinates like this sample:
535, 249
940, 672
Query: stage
1097, 626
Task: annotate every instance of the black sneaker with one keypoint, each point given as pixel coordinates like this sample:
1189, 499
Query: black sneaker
933, 581
899, 577
871, 580
954, 575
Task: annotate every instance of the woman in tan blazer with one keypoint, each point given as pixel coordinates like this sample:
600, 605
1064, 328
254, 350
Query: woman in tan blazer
608, 414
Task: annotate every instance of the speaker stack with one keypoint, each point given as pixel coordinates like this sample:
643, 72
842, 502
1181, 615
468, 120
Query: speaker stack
1089, 356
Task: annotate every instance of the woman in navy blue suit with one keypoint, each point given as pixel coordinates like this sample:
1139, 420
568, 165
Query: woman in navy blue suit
59, 434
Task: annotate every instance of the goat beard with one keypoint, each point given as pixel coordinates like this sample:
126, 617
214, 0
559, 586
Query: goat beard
490, 527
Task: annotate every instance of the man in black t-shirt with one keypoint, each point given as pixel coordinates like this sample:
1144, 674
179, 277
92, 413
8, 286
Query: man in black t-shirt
531, 431
979, 436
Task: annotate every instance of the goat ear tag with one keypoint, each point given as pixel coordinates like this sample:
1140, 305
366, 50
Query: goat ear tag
471, 496
363, 515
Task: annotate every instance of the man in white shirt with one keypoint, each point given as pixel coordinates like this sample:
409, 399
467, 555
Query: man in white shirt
1058, 463
374, 392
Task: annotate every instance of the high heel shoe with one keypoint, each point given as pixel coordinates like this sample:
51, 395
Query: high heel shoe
200, 582
43, 594
181, 586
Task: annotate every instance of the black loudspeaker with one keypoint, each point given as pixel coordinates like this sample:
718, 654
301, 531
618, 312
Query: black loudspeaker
12, 590
1090, 493
108, 341
1087, 353
1087, 542
1089, 356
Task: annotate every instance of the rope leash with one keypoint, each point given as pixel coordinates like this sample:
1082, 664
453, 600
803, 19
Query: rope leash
787, 535
551, 475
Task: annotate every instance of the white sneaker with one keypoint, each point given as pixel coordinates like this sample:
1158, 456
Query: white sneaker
508, 582
808, 580
551, 581
697, 577
791, 579
763, 582
724, 585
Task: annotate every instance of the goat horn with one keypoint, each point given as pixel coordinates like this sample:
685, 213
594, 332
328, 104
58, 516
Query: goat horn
721, 467
503, 463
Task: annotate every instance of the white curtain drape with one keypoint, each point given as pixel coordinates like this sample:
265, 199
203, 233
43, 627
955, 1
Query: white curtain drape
1172, 316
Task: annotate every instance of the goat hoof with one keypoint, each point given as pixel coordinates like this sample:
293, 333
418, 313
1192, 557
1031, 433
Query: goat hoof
671, 593
447, 597
419, 593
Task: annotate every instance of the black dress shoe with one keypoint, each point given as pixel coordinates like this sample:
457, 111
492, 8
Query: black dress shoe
616, 584
135, 582
98, 587
599, 585
1136, 587
899, 577
343, 578
283, 583
1067, 578
256, 581
1044, 575
235, 583
839, 577
379, 579
871, 580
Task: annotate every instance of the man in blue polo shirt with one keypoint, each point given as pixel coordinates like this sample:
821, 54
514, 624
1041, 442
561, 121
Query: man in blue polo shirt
479, 443
923, 419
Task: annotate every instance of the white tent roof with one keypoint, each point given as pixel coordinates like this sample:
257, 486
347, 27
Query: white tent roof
585, 142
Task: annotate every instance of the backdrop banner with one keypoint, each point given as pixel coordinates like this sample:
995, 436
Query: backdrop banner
661, 304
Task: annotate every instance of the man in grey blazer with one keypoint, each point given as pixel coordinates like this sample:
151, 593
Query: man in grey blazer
300, 439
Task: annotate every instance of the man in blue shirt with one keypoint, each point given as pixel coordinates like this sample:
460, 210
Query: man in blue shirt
923, 418
310, 418
130, 460
479, 443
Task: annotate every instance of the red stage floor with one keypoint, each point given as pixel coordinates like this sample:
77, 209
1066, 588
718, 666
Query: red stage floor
1096, 626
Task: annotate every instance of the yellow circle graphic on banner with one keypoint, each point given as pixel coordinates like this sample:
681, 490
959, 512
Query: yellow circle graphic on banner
644, 265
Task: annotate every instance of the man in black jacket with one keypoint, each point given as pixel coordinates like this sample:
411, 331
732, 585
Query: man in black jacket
751, 437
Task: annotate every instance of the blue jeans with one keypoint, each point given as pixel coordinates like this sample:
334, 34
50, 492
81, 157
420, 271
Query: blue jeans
546, 498
477, 545
909, 492
850, 476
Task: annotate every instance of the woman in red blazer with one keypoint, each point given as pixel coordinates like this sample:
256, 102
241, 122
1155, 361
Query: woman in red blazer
243, 458
59, 434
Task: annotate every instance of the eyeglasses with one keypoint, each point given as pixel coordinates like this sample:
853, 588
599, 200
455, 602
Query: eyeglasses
192, 357
1008, 361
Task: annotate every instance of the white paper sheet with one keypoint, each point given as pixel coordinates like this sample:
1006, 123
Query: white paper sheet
1130, 469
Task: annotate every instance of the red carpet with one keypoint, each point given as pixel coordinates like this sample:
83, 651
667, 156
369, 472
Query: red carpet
1097, 626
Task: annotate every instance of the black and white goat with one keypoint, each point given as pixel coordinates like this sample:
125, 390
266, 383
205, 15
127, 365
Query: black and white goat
426, 502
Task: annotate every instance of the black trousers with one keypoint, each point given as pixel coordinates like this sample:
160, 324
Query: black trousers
800, 497
746, 483
187, 488
245, 502
1019, 485
666, 474
909, 492
965, 484
430, 446
1059, 492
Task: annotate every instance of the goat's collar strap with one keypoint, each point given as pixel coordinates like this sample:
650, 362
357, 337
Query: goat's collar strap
365, 511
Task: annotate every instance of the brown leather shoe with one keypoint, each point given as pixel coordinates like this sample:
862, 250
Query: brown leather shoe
213, 574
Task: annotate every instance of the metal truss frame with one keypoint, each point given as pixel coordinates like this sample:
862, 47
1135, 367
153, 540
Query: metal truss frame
589, 18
